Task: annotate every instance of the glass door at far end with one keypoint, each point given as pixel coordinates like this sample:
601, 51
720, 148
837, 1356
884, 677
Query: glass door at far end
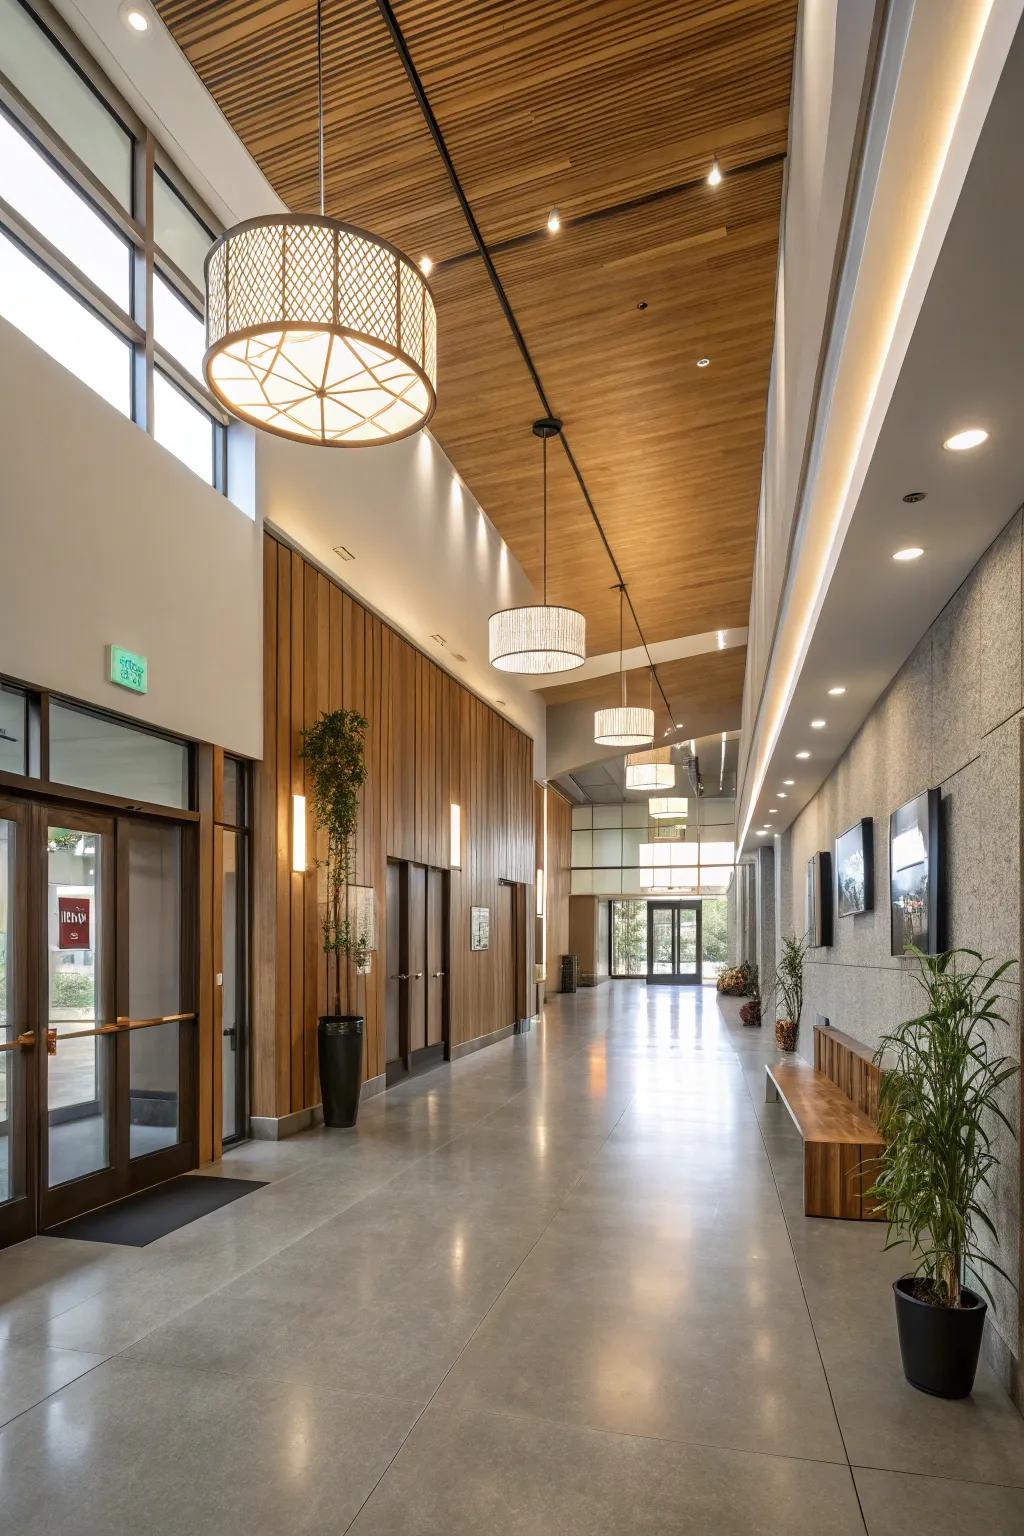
674, 946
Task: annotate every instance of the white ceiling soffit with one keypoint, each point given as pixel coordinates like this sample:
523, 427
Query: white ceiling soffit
636, 656
931, 342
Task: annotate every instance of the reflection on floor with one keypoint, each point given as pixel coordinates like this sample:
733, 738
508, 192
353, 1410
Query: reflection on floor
562, 1287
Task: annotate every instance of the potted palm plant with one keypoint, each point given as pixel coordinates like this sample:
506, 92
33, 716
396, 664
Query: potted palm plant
938, 1107
787, 990
335, 770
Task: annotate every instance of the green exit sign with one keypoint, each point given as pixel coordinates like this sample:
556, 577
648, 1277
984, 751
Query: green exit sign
129, 670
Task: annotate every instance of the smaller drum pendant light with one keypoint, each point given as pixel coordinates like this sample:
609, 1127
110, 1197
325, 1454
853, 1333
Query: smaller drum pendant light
649, 771
542, 638
672, 806
624, 725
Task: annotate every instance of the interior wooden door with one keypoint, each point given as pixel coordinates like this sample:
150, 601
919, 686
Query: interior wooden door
393, 994
417, 967
437, 966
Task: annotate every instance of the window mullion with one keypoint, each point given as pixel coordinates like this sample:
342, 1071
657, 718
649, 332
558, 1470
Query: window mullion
142, 282
77, 172
63, 268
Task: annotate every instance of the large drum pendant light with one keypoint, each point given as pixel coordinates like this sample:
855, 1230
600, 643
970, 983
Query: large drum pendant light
650, 771
318, 331
623, 725
542, 638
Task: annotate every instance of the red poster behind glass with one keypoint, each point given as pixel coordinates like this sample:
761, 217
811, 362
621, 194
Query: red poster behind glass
73, 922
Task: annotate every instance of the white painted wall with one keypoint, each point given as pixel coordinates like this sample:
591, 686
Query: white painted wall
105, 537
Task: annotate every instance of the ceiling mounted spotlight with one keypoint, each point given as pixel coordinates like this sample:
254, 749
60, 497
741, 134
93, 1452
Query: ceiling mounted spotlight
803, 754
837, 691
317, 330
818, 725
426, 265
715, 173
703, 362
624, 725
554, 222
135, 18
539, 639
912, 552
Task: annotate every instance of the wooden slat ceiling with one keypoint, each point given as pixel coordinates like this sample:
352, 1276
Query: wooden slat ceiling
584, 106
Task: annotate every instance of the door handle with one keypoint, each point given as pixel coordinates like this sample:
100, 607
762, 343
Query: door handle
22, 1042
400, 976
438, 975
417, 976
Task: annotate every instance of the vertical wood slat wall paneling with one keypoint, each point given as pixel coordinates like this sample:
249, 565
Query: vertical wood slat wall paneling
265, 863
297, 889
282, 739
311, 938
429, 744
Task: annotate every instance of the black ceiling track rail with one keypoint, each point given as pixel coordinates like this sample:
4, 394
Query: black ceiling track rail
610, 211
422, 101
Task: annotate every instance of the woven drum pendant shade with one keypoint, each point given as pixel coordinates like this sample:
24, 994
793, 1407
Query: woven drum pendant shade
647, 771
541, 638
538, 640
320, 332
624, 725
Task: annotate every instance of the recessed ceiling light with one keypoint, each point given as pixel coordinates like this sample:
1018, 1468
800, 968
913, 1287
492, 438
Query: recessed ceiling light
343, 553
715, 173
773, 812
913, 497
912, 552
789, 781
135, 18
837, 691
554, 222
703, 362
970, 437
426, 265
781, 795
762, 831
817, 725
803, 754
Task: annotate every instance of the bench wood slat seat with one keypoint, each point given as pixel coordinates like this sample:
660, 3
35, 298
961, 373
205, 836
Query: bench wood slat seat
837, 1135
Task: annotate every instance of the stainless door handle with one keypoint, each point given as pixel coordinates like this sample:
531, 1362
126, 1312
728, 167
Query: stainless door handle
438, 975
417, 976
400, 976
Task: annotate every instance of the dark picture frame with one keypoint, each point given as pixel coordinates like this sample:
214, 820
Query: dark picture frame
915, 852
819, 900
855, 869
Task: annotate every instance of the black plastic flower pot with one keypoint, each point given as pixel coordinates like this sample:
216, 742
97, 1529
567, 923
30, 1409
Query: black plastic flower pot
340, 1049
939, 1345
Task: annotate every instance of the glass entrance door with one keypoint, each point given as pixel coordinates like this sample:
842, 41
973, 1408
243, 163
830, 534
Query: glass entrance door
97, 1075
674, 942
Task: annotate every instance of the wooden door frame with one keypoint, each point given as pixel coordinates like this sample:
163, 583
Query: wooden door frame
411, 1063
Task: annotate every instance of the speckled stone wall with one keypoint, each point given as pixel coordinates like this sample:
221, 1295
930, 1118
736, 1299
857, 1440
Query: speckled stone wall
952, 718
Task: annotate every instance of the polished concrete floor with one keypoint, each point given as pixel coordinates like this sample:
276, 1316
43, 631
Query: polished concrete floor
562, 1287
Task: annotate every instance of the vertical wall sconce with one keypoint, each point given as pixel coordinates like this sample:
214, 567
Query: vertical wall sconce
455, 839
540, 893
299, 834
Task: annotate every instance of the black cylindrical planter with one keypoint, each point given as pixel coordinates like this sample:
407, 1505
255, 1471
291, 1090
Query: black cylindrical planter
340, 1048
939, 1345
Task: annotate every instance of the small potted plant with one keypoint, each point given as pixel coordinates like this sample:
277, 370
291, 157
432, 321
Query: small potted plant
787, 992
332, 750
750, 1013
938, 1105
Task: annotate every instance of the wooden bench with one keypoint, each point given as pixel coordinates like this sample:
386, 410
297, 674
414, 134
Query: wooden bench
834, 1106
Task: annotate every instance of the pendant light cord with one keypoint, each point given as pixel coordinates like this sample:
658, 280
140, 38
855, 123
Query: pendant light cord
544, 446
320, 94
622, 675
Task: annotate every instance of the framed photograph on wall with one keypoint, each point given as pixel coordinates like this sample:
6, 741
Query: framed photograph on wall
855, 869
479, 927
819, 900
914, 854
